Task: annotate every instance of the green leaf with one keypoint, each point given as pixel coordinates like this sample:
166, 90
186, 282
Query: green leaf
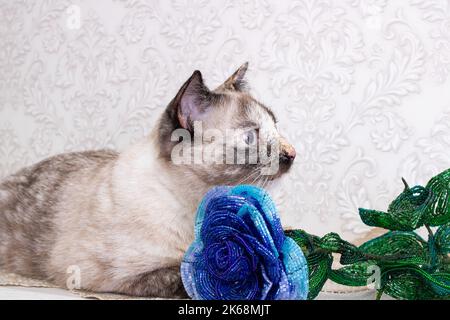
437, 211
331, 242
355, 275
442, 237
305, 241
422, 284
407, 285
319, 262
440, 280
397, 246
319, 265
404, 213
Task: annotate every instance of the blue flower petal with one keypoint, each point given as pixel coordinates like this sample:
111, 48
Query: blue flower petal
240, 250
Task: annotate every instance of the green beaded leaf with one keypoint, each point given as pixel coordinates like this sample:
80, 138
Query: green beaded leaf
439, 281
306, 241
444, 264
355, 275
332, 242
375, 218
319, 262
423, 285
442, 238
407, 285
351, 255
437, 211
319, 265
398, 246
405, 213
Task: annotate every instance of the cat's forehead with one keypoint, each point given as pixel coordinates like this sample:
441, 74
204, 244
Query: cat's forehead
250, 109
235, 109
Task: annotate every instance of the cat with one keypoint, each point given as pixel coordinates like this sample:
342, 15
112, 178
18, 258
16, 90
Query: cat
122, 222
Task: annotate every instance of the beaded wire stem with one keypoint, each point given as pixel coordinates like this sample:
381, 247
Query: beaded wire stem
409, 267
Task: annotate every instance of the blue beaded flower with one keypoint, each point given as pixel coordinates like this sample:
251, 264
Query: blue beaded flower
240, 251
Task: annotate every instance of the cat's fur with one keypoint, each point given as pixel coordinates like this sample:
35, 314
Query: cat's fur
125, 220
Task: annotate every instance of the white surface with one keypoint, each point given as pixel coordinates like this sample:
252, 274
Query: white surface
20, 293
313, 61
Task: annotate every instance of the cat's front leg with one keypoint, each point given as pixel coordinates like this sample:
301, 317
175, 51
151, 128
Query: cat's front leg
163, 283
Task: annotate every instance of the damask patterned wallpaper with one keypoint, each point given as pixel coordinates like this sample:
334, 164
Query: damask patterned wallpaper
361, 87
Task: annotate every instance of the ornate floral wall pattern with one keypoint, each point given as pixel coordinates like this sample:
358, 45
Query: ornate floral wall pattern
361, 87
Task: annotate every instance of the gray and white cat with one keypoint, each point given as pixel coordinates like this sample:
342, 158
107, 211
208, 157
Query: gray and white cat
125, 220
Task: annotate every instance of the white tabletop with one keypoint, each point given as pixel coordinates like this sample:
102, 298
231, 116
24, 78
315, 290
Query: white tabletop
21, 293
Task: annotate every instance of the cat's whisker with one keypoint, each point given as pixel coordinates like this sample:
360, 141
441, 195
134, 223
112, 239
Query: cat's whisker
249, 176
246, 181
263, 180
266, 182
245, 178
256, 180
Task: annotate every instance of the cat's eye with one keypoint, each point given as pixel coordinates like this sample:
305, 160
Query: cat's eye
250, 136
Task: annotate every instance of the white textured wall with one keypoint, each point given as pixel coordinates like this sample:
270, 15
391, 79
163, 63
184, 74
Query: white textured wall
361, 87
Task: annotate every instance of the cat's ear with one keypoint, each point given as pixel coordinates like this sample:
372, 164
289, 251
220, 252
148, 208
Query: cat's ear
191, 101
237, 80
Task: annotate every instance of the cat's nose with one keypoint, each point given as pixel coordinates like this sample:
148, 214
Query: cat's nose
287, 152
288, 155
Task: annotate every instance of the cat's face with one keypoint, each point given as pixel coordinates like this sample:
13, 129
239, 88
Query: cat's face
224, 136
